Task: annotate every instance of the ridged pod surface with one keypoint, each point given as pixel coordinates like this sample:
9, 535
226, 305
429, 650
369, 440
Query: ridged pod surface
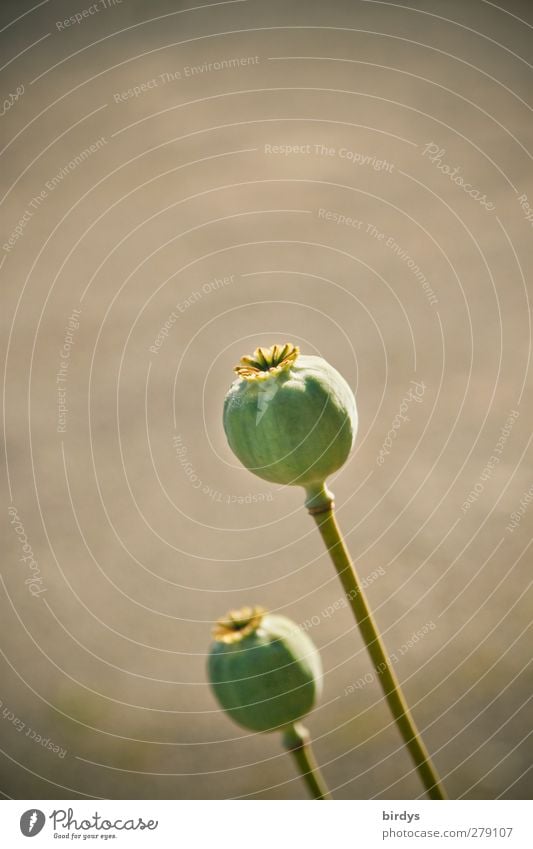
290, 418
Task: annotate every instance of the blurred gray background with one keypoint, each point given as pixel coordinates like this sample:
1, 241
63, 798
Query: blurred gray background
177, 184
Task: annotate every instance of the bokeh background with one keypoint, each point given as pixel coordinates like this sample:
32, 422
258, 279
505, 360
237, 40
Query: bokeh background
181, 183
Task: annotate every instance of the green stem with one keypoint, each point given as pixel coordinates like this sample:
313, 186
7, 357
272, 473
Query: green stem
329, 530
296, 741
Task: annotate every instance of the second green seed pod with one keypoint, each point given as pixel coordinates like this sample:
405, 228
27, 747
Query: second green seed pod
264, 670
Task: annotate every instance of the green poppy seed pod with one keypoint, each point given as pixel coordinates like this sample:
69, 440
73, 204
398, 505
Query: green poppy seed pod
264, 670
291, 419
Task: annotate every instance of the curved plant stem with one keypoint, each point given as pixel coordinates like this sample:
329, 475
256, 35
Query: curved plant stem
296, 741
332, 537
